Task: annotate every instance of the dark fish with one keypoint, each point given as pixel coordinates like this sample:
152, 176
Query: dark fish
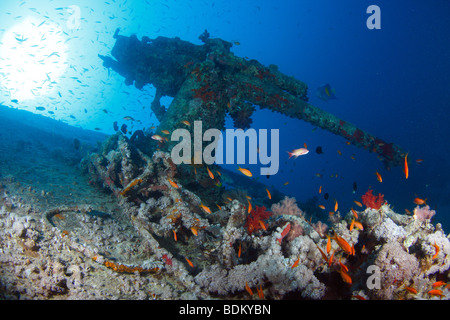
15, 100
319, 150
123, 128
40, 108
355, 187
115, 126
76, 144
326, 92
100, 214
85, 111
325, 196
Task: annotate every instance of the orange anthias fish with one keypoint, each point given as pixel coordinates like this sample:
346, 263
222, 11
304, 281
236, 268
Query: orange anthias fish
355, 214
165, 131
411, 290
330, 261
295, 264
321, 206
194, 231
324, 256
406, 167
247, 288
260, 292
438, 284
328, 244
239, 250
157, 137
173, 184
379, 176
210, 173
298, 152
186, 122
175, 235
320, 189
263, 225
205, 208
249, 206
435, 292
344, 245
335, 205
420, 202
359, 225
436, 247
189, 262
359, 204
245, 172
345, 276
268, 194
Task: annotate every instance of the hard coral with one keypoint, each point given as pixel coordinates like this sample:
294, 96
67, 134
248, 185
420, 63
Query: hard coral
253, 219
371, 201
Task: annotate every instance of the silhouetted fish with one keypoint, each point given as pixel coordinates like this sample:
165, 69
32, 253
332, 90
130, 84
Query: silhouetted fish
325, 196
115, 126
123, 128
319, 150
76, 144
355, 187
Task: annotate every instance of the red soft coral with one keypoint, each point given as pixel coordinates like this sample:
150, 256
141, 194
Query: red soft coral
371, 201
258, 214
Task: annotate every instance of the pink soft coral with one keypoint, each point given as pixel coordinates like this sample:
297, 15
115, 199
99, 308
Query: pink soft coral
321, 228
287, 206
423, 213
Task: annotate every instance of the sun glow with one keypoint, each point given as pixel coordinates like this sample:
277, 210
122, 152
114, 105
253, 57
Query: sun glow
32, 58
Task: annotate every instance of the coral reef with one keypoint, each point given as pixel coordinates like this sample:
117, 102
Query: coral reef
147, 234
278, 252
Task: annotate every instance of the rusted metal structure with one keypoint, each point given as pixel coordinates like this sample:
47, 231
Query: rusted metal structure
208, 81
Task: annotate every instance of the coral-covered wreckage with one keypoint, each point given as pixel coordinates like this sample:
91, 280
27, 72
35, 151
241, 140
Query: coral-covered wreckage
186, 236
222, 247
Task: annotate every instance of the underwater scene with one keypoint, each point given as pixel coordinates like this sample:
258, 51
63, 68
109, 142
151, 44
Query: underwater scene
224, 150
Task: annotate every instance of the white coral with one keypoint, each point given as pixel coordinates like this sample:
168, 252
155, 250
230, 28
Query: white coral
388, 231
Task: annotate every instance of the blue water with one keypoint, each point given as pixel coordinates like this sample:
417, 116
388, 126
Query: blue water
392, 82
